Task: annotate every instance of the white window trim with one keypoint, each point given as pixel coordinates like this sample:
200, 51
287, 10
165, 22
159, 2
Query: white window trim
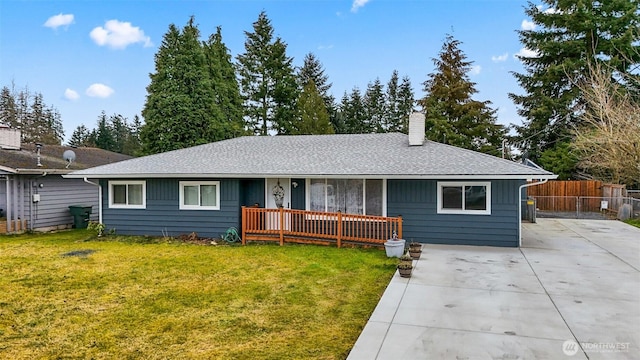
442, 184
364, 194
128, 182
199, 183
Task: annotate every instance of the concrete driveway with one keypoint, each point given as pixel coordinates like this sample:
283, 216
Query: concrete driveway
571, 292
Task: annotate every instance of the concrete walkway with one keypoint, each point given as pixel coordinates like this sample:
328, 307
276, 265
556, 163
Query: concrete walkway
571, 292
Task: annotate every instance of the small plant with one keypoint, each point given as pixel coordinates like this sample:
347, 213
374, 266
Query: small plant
406, 259
405, 269
96, 227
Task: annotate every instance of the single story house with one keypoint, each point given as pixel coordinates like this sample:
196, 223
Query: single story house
445, 194
33, 193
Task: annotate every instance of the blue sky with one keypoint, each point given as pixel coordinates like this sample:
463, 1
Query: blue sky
90, 56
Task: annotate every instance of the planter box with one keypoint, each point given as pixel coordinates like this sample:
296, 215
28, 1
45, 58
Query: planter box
18, 226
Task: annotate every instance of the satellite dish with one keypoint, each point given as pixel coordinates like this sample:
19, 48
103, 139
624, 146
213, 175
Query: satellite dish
69, 156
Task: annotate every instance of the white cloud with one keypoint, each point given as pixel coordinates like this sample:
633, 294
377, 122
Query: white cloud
59, 20
325, 47
500, 58
118, 35
552, 11
528, 25
71, 94
526, 53
357, 4
99, 90
475, 69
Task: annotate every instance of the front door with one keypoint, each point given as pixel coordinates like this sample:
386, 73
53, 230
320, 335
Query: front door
278, 193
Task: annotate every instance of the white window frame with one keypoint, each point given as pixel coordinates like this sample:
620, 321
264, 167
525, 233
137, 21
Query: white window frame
199, 183
364, 194
127, 205
462, 184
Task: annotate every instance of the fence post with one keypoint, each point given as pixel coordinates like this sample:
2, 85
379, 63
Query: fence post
400, 227
339, 230
243, 220
281, 225
577, 207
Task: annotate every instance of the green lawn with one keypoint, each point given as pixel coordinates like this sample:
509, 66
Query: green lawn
135, 298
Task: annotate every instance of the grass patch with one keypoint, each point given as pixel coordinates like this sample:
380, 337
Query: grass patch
64, 296
634, 222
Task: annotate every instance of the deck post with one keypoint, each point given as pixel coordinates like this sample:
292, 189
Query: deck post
243, 220
339, 230
400, 226
281, 225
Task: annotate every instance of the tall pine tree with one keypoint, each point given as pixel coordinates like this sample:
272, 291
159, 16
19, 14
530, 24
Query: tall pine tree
225, 88
375, 107
452, 115
267, 81
570, 35
180, 110
312, 113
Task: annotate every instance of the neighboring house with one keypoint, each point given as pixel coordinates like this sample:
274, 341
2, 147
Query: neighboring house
445, 194
33, 193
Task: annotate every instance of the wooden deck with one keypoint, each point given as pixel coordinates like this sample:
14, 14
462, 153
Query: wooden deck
300, 226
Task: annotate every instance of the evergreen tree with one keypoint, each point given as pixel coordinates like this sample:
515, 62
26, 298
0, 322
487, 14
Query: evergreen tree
80, 137
225, 88
312, 111
8, 111
353, 112
267, 81
132, 145
375, 108
286, 89
405, 107
312, 69
104, 134
179, 111
452, 115
28, 112
569, 36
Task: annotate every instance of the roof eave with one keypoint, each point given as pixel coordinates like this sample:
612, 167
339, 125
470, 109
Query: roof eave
359, 176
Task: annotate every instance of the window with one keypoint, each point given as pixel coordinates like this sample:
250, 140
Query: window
127, 194
350, 196
464, 198
199, 195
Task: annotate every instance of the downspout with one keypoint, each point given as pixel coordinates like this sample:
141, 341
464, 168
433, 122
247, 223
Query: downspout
520, 207
99, 199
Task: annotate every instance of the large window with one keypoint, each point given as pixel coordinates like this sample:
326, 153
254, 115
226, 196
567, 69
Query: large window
127, 194
350, 196
199, 195
464, 198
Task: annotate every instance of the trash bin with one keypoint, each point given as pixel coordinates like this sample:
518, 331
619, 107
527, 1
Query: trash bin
80, 215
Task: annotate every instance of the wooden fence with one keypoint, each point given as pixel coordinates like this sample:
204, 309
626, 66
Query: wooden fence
300, 226
576, 195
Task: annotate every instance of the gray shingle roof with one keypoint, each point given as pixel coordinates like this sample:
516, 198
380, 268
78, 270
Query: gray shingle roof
363, 155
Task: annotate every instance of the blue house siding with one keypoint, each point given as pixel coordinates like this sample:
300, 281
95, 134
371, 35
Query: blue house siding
416, 201
162, 215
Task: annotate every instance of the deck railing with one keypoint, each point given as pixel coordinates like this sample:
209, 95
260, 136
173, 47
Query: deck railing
287, 225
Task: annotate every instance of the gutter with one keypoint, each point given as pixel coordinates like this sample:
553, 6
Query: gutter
99, 198
520, 207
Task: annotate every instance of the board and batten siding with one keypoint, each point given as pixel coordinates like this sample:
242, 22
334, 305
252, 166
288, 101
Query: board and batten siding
163, 217
416, 201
